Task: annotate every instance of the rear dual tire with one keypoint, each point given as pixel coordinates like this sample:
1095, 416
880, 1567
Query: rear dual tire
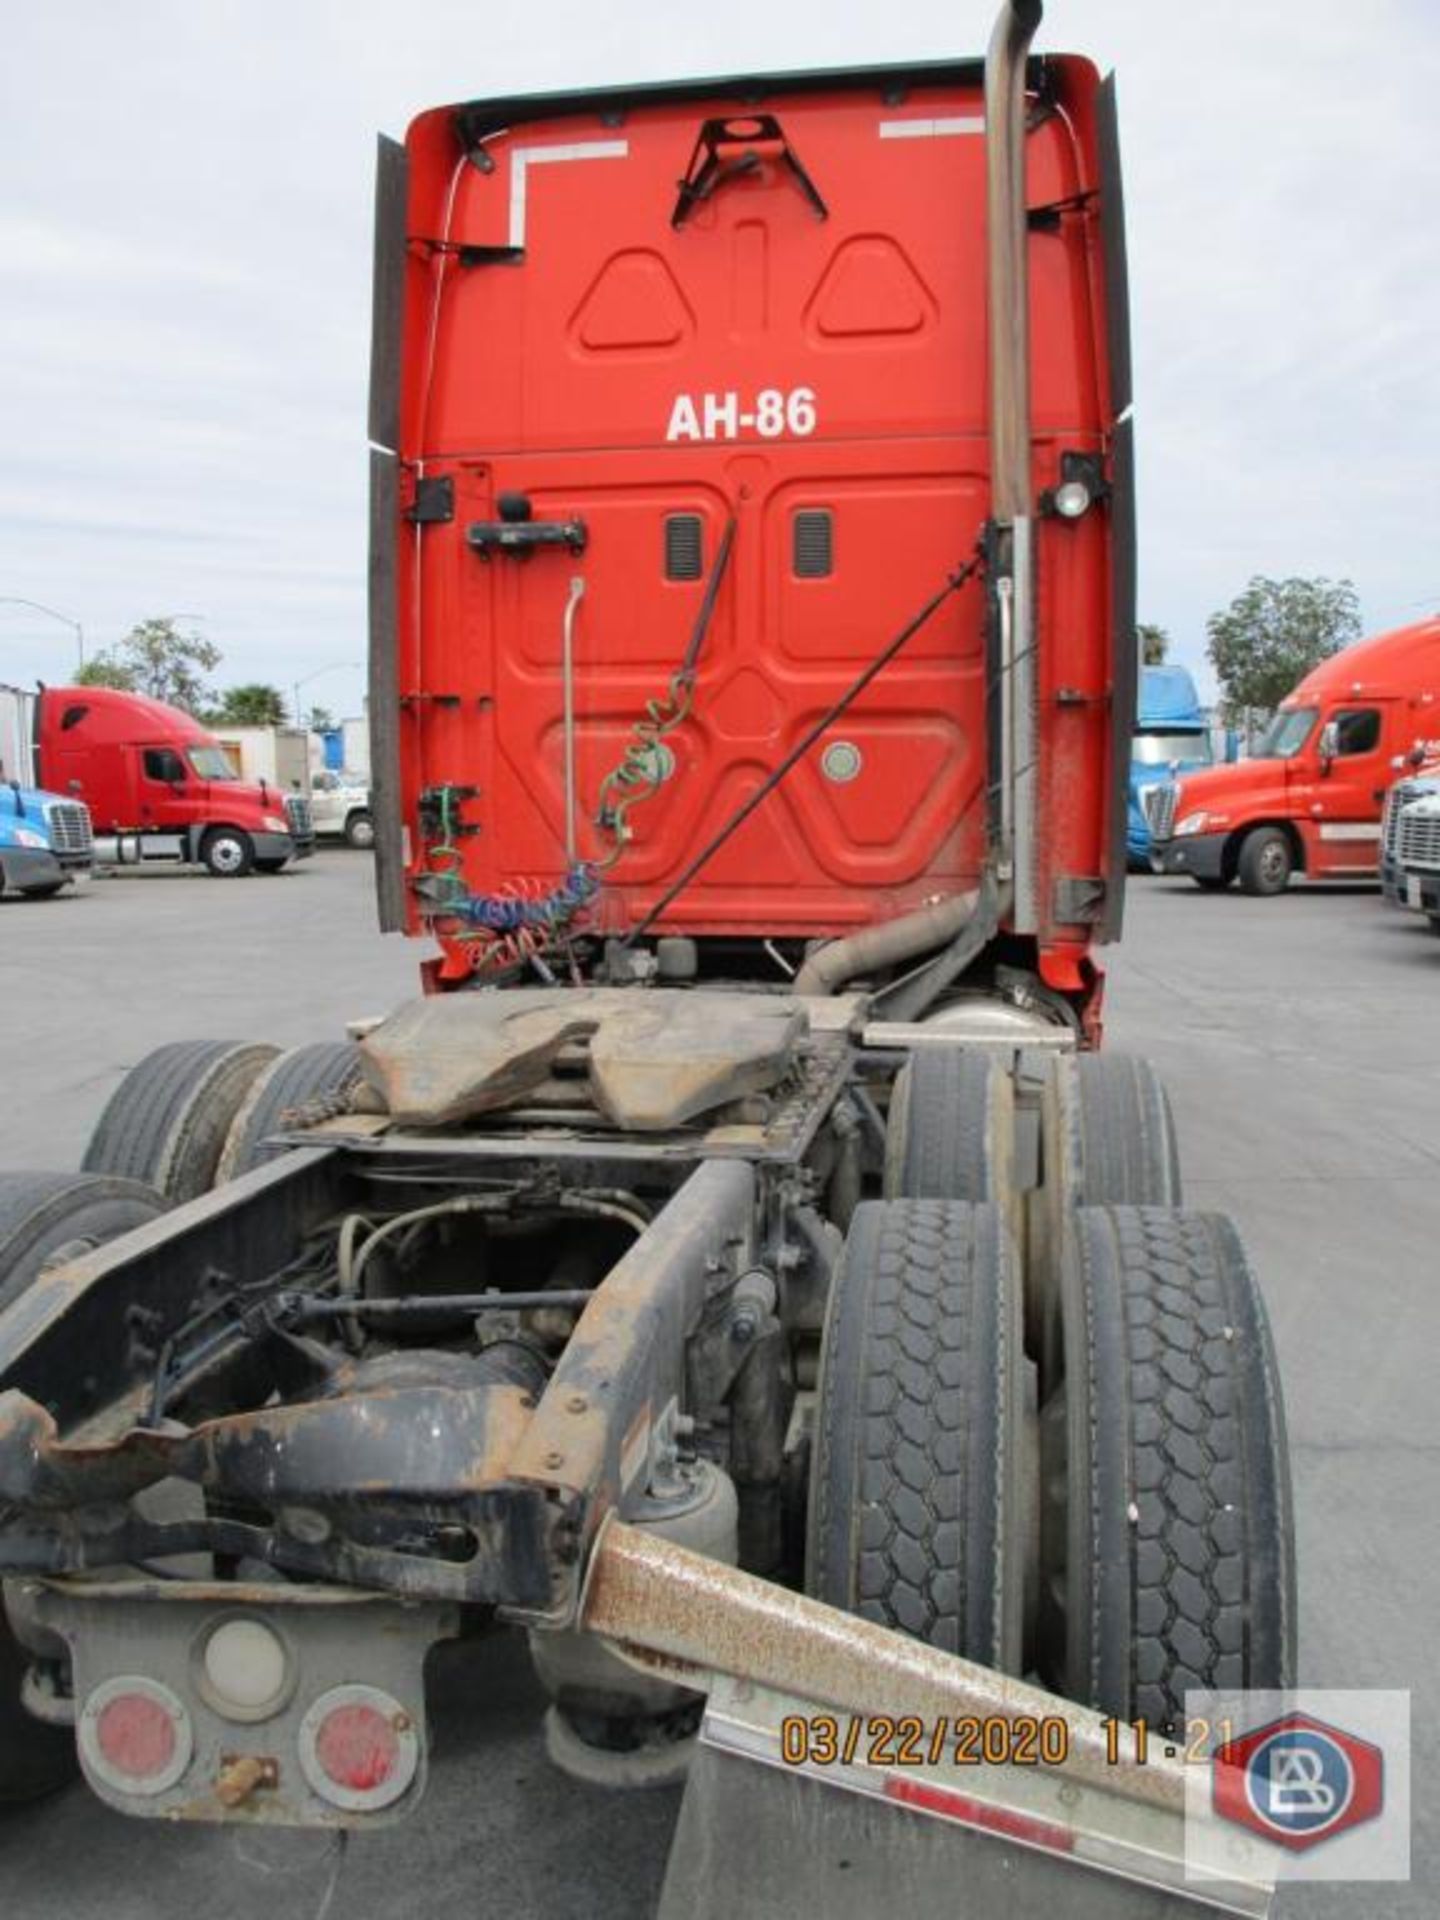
291, 1091
168, 1120
1167, 1534
1164, 1560
916, 1517
951, 1127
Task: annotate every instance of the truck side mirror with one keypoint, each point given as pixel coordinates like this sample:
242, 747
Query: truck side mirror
1329, 745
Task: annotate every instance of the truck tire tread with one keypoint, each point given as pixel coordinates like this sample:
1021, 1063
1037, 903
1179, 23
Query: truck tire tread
945, 1138
41, 1212
321, 1073
913, 1513
167, 1121
1180, 1533
1129, 1152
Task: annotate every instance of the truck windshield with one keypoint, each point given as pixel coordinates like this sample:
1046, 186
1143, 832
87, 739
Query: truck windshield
1159, 749
210, 763
1286, 734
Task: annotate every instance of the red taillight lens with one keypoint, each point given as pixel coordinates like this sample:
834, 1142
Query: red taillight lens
135, 1735
358, 1748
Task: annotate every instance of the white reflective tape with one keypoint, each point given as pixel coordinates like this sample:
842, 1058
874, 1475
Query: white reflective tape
523, 158
928, 129
1351, 830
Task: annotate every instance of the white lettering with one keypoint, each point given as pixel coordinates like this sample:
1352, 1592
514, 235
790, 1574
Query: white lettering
717, 416
721, 410
684, 422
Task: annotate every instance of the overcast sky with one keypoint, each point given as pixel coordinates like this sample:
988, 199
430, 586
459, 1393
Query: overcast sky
184, 287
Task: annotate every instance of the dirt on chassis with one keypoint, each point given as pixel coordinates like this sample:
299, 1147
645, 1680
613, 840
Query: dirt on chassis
630, 1360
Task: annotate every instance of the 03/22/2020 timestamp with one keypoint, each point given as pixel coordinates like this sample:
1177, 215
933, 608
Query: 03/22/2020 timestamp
994, 1740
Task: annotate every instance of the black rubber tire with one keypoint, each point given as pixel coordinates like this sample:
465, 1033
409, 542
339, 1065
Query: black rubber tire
948, 1134
915, 1516
227, 852
1128, 1154
35, 1758
167, 1121
41, 1214
1267, 860
1212, 882
360, 830
291, 1081
1167, 1531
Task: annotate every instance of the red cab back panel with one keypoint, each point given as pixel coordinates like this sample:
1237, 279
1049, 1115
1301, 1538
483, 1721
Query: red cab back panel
636, 318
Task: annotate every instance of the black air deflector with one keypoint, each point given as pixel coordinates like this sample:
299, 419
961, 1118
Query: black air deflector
813, 543
684, 546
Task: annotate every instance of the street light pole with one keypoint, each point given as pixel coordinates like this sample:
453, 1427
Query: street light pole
339, 666
38, 606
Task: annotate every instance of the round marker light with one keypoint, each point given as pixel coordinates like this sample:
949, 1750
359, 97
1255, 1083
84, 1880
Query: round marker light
1071, 498
358, 1749
134, 1735
245, 1670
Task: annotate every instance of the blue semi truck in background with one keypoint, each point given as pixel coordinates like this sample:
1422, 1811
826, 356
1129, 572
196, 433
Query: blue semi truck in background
46, 842
1172, 733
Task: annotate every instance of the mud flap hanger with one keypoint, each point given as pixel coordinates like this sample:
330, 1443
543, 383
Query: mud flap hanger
1094, 1835
710, 168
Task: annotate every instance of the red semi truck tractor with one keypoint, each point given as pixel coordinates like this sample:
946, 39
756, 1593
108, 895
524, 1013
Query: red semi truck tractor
160, 787
741, 1274
1310, 798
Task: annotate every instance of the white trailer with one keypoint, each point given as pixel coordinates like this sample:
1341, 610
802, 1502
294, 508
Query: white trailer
280, 756
17, 736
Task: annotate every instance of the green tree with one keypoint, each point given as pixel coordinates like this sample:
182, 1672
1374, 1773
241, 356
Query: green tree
103, 671
1272, 634
321, 720
253, 705
1154, 644
157, 659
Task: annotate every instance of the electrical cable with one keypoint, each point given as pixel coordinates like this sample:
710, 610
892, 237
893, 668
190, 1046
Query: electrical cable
802, 746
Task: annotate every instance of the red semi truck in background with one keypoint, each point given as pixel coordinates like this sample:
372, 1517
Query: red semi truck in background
159, 786
747, 1279
1310, 798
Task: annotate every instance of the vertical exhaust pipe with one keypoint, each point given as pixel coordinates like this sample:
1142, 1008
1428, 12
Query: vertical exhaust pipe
1007, 241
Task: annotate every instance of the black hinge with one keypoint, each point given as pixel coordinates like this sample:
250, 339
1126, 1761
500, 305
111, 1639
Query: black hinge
474, 256
434, 500
1079, 899
1046, 219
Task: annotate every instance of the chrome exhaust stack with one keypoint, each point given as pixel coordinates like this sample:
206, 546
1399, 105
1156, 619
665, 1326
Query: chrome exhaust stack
1013, 580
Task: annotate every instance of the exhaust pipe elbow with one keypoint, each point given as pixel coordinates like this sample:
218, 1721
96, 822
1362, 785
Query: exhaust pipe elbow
885, 945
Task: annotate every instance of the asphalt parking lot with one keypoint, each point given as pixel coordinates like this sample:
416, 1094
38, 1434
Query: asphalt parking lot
1298, 1039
